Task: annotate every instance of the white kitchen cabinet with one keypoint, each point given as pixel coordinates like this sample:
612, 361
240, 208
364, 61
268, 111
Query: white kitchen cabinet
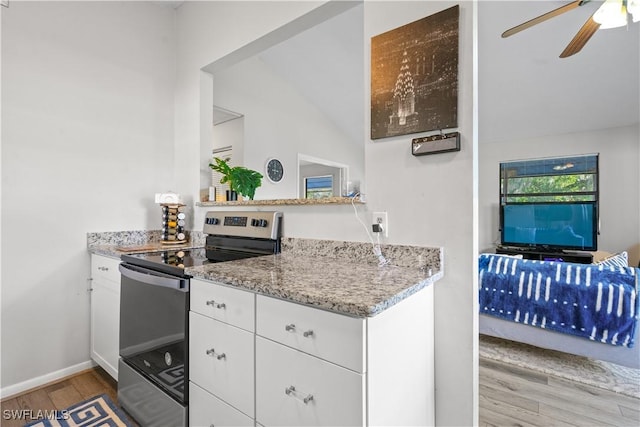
207, 410
296, 389
228, 305
221, 355
330, 336
373, 371
312, 367
221, 361
105, 312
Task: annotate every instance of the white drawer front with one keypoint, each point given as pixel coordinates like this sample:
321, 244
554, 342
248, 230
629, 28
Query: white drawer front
333, 337
285, 378
221, 361
233, 306
103, 267
207, 410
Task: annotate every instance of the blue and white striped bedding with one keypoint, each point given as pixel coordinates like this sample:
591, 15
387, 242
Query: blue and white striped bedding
597, 302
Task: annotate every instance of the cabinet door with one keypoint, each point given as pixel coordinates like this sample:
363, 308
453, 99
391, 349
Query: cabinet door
207, 410
232, 306
221, 361
296, 389
330, 336
105, 313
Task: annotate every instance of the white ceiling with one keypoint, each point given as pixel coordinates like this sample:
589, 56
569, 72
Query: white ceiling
525, 90
326, 64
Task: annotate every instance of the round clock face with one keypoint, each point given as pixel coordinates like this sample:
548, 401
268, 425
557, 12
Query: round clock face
275, 171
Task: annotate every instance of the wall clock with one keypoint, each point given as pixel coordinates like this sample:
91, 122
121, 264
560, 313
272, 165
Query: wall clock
275, 170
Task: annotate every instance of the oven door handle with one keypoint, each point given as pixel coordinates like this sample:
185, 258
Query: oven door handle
153, 278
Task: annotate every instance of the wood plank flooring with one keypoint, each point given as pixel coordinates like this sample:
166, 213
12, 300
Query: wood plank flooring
58, 395
513, 396
509, 396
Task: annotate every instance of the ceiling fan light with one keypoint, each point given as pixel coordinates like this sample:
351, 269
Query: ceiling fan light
633, 7
611, 14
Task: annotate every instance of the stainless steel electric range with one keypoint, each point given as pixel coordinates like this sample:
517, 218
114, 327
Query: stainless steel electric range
153, 370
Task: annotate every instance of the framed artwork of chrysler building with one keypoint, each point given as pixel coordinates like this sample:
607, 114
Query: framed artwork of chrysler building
414, 76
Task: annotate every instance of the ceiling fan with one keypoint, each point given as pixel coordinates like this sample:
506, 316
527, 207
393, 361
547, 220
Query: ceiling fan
611, 14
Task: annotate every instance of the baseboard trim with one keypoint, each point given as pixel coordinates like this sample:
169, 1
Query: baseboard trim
10, 391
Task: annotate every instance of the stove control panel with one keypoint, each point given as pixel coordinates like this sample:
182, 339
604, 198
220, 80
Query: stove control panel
263, 225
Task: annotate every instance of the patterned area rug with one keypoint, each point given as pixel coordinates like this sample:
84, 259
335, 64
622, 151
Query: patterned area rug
608, 376
97, 411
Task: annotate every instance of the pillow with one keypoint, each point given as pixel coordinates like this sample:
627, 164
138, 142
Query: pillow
600, 255
617, 260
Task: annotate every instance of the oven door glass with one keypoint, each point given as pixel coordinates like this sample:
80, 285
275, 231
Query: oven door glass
154, 311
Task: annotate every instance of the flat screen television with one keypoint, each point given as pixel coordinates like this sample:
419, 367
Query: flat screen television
550, 226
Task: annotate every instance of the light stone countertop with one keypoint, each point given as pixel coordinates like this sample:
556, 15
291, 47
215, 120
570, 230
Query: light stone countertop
338, 276
114, 244
355, 289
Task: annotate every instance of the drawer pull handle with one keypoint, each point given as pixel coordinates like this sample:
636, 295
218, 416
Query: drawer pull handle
292, 328
216, 305
219, 356
289, 391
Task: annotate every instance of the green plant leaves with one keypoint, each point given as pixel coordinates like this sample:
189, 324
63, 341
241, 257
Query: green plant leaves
243, 180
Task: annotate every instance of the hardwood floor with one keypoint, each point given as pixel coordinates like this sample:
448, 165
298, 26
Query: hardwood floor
509, 396
57, 396
512, 396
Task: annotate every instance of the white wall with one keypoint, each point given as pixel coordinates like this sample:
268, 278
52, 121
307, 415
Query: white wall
206, 31
280, 122
87, 139
619, 178
88, 118
429, 199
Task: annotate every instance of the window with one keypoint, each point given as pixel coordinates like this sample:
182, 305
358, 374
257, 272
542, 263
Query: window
558, 179
318, 187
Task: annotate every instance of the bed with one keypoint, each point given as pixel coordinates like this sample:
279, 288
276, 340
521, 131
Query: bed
512, 294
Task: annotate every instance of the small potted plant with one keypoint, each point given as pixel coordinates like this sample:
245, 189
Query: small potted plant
241, 180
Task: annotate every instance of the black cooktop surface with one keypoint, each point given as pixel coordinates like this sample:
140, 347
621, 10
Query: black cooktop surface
217, 249
172, 261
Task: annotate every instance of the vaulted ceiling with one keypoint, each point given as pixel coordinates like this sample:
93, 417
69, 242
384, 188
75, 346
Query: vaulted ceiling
526, 90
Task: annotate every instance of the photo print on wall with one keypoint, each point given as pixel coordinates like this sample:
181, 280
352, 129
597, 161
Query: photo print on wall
414, 76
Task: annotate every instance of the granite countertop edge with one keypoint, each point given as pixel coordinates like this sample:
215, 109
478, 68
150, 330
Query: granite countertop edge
340, 277
357, 290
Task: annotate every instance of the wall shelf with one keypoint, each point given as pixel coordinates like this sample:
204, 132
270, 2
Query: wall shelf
289, 202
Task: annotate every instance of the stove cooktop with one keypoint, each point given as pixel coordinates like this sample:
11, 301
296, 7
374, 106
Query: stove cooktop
172, 261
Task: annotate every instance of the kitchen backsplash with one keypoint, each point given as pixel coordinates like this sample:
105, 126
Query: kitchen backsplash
400, 255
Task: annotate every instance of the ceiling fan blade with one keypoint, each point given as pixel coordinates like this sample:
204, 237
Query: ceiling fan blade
581, 38
542, 18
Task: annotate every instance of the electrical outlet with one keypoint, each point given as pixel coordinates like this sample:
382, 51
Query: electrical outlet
380, 218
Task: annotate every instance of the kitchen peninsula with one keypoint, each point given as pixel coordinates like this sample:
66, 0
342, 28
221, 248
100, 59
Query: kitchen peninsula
321, 334
324, 333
